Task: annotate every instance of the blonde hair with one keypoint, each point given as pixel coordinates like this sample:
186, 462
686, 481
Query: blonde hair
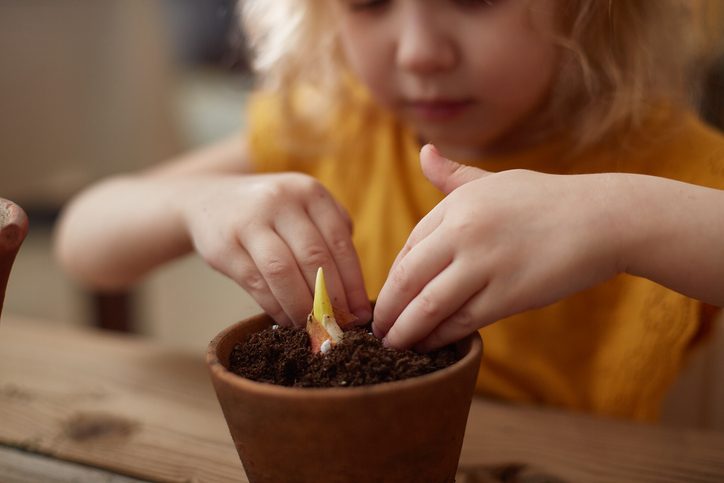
622, 56
625, 55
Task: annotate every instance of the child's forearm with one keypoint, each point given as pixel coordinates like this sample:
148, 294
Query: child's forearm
113, 233
116, 231
533, 239
673, 234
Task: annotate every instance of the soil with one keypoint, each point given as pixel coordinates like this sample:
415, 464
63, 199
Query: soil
282, 356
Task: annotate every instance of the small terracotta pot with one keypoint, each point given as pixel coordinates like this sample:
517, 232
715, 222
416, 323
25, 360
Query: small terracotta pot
13, 228
404, 431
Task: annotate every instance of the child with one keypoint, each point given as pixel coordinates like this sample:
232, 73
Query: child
564, 216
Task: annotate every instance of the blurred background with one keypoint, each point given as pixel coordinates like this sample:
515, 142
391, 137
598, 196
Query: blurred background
91, 88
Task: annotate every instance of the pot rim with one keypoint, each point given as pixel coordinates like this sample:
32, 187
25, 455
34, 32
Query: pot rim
472, 345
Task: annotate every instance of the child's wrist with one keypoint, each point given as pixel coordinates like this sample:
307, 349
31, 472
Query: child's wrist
621, 230
641, 224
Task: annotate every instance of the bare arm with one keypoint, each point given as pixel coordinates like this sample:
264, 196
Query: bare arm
267, 232
534, 238
114, 232
673, 234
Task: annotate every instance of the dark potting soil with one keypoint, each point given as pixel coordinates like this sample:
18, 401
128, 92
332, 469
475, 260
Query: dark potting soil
282, 356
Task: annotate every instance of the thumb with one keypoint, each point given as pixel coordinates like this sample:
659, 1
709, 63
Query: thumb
445, 174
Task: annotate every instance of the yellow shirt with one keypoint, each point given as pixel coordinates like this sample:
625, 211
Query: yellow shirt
613, 349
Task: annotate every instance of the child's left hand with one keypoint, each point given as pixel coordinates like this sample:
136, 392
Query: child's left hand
498, 244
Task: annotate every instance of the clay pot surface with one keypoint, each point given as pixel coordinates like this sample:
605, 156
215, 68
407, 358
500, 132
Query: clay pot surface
13, 228
403, 431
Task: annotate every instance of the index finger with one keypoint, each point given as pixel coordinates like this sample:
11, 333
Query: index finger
335, 228
422, 230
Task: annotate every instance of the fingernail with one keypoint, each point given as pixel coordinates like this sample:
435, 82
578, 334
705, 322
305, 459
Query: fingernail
433, 148
385, 342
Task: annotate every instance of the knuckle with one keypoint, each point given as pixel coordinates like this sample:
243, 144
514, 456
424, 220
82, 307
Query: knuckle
268, 194
401, 279
340, 245
303, 183
283, 186
519, 172
314, 255
252, 281
462, 319
429, 306
407, 247
276, 267
463, 225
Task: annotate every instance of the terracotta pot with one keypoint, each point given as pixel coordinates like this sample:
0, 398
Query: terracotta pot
13, 228
404, 431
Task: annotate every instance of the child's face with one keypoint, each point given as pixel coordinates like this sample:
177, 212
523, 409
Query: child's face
463, 73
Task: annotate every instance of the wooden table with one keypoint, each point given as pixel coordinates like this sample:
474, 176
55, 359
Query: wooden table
80, 405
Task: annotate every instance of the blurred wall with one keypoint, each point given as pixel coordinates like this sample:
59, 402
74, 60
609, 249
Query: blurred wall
93, 88
83, 93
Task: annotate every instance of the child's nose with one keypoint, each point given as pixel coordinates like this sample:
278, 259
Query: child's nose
423, 47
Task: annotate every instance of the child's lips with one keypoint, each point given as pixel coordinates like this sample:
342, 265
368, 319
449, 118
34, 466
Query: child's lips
438, 109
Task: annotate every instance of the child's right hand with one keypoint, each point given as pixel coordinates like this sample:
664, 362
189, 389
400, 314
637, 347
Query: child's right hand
498, 244
507, 242
270, 233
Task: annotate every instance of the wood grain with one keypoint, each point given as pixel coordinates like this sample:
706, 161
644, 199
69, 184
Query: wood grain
21, 467
138, 409
143, 410
574, 447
